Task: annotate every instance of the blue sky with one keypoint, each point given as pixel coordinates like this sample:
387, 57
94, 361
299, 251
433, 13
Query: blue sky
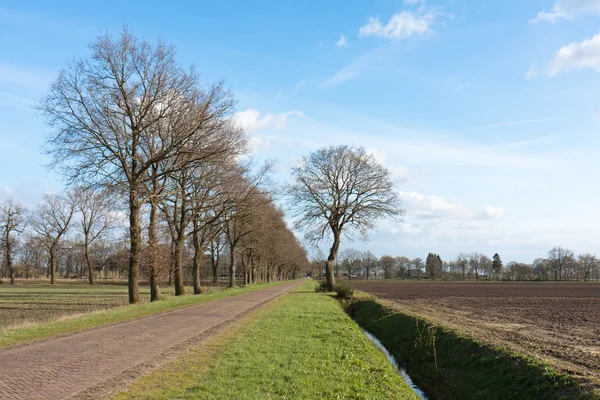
485, 112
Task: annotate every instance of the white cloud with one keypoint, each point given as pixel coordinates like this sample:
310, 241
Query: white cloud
399, 173
343, 42
422, 206
257, 144
569, 10
494, 212
251, 119
380, 156
400, 26
576, 56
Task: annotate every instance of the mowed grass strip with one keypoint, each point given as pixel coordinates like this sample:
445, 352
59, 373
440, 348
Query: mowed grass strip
301, 346
66, 300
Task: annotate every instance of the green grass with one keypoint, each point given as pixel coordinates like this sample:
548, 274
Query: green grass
42, 311
301, 346
447, 365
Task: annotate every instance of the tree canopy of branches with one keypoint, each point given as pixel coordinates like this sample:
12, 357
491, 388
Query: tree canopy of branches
13, 218
96, 219
340, 190
128, 108
51, 222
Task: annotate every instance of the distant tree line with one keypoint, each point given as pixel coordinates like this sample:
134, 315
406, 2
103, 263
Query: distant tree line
560, 264
146, 147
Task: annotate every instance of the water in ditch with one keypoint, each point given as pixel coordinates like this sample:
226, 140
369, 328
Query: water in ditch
394, 363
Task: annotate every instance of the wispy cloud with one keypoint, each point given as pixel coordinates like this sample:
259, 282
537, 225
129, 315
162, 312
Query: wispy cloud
373, 58
400, 26
342, 42
298, 87
522, 122
251, 120
533, 71
569, 10
15, 75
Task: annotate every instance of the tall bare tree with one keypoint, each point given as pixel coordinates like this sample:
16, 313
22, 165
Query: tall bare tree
369, 263
388, 263
587, 263
403, 264
341, 190
350, 259
51, 221
97, 217
462, 262
560, 259
418, 264
13, 219
123, 110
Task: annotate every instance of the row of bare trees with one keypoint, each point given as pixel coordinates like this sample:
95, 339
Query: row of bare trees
561, 264
77, 235
144, 139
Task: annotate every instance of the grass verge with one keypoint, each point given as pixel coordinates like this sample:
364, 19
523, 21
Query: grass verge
300, 346
447, 365
17, 335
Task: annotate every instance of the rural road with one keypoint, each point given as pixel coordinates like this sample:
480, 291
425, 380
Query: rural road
63, 367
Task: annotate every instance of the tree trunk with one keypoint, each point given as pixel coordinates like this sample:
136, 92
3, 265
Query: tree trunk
331, 261
215, 265
153, 249
178, 271
88, 260
135, 233
232, 261
52, 263
198, 254
8, 251
244, 269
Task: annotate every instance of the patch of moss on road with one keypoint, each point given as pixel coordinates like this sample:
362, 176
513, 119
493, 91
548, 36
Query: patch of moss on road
301, 346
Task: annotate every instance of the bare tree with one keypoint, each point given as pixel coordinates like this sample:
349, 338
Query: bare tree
388, 263
216, 249
369, 263
542, 267
587, 263
51, 221
403, 264
462, 262
13, 218
350, 259
418, 264
341, 190
96, 219
560, 259
125, 109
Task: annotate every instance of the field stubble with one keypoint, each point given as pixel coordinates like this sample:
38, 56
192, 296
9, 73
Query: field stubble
29, 303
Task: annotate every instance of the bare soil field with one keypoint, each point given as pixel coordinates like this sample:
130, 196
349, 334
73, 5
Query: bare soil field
555, 322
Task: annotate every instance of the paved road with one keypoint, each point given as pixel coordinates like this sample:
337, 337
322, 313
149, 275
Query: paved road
62, 367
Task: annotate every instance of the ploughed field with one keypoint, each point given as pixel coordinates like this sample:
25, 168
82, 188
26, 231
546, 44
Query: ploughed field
555, 322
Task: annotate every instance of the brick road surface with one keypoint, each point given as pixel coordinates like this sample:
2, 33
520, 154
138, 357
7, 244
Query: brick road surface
62, 367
